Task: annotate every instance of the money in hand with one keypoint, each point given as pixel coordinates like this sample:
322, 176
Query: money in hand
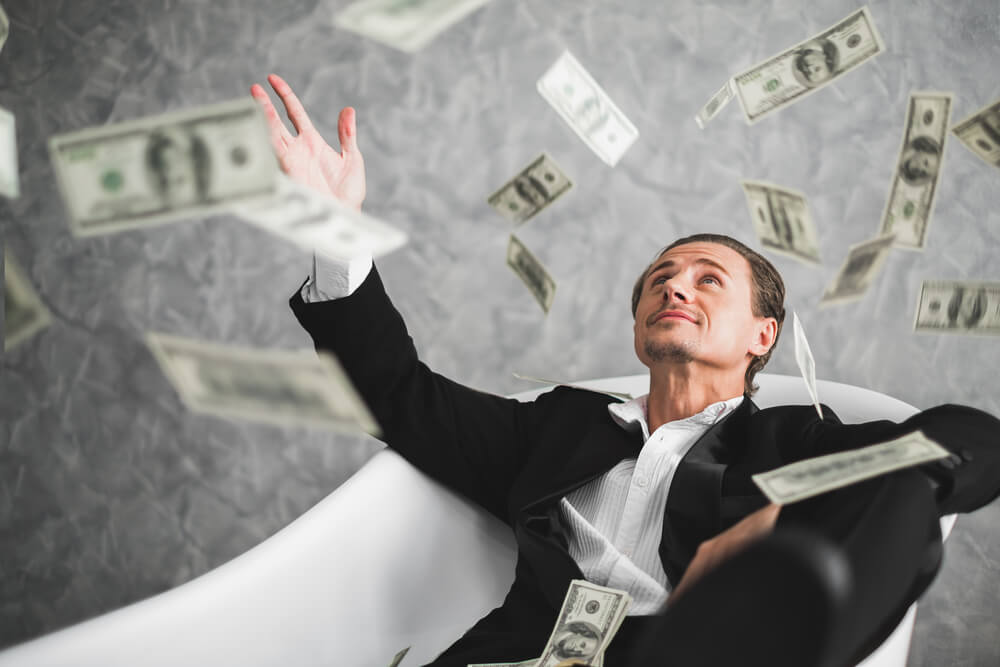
531, 272
584, 105
153, 170
25, 314
811, 477
782, 221
293, 387
958, 307
408, 25
863, 263
808, 66
807, 365
911, 196
9, 181
716, 104
535, 187
587, 622
322, 224
980, 133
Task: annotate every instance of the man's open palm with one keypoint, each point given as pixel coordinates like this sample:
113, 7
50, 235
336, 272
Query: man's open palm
306, 157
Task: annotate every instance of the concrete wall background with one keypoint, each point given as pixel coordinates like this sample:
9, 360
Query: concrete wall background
110, 490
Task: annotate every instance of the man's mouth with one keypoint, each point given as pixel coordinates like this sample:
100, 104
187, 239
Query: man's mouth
672, 314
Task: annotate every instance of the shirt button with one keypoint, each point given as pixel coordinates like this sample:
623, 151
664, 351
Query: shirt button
642, 481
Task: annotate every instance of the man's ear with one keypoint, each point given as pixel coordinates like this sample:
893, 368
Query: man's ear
765, 332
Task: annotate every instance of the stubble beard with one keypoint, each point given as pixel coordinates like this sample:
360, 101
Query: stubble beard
681, 353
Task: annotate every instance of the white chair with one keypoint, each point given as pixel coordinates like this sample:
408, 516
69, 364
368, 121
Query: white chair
362, 575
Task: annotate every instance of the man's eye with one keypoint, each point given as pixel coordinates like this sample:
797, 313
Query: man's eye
660, 280
712, 278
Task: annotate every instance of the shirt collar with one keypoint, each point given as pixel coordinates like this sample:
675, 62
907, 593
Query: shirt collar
631, 415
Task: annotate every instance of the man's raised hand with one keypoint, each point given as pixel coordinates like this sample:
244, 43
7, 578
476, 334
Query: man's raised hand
306, 157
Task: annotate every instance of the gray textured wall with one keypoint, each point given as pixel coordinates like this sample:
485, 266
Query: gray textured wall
111, 491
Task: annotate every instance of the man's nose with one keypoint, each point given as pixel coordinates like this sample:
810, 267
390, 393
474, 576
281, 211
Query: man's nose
676, 291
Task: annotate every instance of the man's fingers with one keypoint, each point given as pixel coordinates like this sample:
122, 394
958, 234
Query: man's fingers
293, 107
348, 130
279, 133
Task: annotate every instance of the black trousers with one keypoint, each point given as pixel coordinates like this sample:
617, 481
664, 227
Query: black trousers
886, 529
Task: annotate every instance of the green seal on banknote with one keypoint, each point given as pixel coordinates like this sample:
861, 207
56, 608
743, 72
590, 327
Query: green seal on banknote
112, 180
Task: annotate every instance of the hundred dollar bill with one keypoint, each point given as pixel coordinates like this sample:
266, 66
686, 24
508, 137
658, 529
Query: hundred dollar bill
4, 27
153, 170
911, 196
782, 221
407, 25
9, 181
584, 105
716, 104
523, 663
398, 658
863, 263
811, 477
295, 387
535, 187
320, 223
808, 66
528, 378
531, 272
804, 358
958, 307
24, 313
587, 622
980, 133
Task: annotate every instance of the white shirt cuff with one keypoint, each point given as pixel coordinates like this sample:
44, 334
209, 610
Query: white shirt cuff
334, 279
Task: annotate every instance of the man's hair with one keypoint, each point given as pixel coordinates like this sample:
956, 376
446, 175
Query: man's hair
767, 292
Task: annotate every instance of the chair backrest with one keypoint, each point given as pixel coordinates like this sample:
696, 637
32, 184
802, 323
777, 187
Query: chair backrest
390, 559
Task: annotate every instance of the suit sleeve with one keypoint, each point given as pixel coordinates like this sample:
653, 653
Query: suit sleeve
472, 442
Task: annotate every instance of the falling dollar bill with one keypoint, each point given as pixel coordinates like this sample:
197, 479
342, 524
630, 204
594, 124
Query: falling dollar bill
980, 133
295, 387
398, 658
863, 263
911, 196
584, 105
808, 66
528, 378
407, 25
531, 272
587, 622
4, 27
535, 187
25, 314
782, 221
716, 104
807, 365
811, 477
316, 222
958, 307
162, 168
9, 180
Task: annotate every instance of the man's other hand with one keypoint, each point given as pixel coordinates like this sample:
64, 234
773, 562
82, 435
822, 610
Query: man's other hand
727, 544
306, 157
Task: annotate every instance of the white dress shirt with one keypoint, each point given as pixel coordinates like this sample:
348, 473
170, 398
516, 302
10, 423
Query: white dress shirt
613, 523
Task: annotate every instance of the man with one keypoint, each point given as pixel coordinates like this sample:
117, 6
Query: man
654, 495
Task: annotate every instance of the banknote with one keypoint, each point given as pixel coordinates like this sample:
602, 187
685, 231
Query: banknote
398, 658
531, 272
557, 383
584, 105
161, 168
811, 477
980, 133
407, 25
24, 313
911, 196
4, 27
863, 263
9, 180
320, 223
589, 617
807, 365
294, 387
958, 307
716, 104
782, 221
808, 66
535, 187
523, 663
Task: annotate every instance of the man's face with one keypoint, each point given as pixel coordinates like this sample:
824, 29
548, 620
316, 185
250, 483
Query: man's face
695, 308
814, 66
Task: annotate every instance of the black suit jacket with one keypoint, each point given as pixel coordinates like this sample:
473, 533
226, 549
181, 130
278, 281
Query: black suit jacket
518, 459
